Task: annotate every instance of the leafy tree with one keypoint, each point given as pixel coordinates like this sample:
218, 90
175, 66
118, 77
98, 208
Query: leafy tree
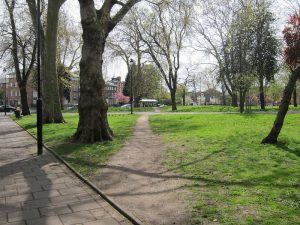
149, 81
242, 51
145, 84
239, 35
122, 98
292, 57
163, 95
181, 93
64, 83
126, 89
274, 91
266, 47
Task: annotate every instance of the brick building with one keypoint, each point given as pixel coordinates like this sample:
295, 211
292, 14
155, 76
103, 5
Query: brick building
74, 91
110, 93
13, 96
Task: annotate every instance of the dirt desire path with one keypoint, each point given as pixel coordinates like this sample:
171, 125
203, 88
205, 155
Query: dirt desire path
137, 180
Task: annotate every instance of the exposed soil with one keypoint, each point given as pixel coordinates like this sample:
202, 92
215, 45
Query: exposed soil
138, 181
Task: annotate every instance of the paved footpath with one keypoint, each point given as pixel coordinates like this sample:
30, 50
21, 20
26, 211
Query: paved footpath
39, 190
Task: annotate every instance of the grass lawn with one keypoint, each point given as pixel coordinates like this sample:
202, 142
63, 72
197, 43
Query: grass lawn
235, 179
219, 108
85, 158
117, 109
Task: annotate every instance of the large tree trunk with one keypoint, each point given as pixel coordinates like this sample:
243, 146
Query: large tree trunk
223, 95
295, 96
234, 100
262, 94
242, 100
93, 125
24, 102
21, 80
283, 108
173, 99
51, 107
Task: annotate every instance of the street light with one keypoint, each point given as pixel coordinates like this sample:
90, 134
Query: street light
39, 102
131, 87
4, 71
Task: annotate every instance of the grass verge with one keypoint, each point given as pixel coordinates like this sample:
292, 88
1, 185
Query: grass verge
220, 108
117, 109
235, 179
85, 158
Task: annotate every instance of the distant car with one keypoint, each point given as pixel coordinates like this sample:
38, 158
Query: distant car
73, 107
126, 106
9, 108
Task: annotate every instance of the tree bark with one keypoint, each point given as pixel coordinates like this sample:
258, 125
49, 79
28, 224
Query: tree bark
51, 107
283, 108
93, 125
223, 95
242, 100
262, 94
173, 100
96, 24
24, 102
234, 100
295, 97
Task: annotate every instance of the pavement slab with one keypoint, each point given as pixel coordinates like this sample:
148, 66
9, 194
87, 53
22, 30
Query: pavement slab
40, 190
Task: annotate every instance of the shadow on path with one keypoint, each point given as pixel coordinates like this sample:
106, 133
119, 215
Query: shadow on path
38, 190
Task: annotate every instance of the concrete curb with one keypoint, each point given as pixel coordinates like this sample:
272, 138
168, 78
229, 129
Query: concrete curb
127, 215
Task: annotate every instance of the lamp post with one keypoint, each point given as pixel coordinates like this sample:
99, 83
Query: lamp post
4, 71
39, 99
131, 87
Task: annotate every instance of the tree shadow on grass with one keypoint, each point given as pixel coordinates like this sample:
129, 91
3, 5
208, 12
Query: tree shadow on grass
284, 146
267, 181
249, 114
29, 126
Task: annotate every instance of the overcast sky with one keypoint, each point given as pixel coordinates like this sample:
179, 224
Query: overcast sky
117, 67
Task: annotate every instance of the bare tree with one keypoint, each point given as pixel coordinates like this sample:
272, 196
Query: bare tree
21, 45
69, 42
127, 44
163, 31
68, 54
190, 74
214, 36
